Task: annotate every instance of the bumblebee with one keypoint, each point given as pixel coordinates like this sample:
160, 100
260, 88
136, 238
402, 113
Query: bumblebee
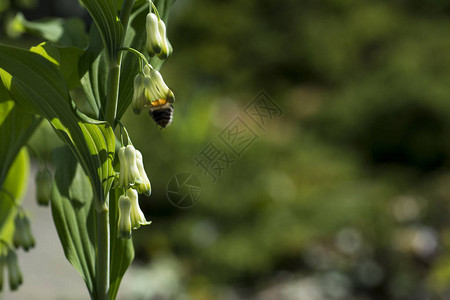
161, 112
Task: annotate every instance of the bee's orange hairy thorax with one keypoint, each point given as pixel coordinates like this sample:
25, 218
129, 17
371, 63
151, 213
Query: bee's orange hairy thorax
159, 102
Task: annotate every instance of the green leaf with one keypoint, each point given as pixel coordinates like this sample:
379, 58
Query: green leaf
122, 251
135, 38
66, 58
73, 215
93, 71
13, 189
63, 32
4, 96
16, 127
35, 83
104, 13
5, 106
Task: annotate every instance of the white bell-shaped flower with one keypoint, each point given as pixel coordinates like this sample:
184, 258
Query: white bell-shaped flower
164, 45
144, 187
137, 216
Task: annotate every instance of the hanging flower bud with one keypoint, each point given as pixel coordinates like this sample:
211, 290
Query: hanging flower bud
144, 187
137, 216
124, 223
154, 39
139, 99
22, 232
44, 182
15, 276
129, 173
164, 47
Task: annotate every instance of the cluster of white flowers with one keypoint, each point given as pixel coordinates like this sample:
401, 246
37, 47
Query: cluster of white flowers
150, 91
134, 180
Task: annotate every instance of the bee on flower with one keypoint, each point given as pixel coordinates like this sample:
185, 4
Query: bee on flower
150, 91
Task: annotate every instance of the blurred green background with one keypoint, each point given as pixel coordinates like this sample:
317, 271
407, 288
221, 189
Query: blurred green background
345, 195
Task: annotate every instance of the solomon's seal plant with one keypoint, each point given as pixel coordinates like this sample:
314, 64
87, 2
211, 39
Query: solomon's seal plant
93, 191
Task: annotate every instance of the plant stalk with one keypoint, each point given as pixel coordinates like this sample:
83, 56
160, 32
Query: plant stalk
103, 254
103, 229
103, 249
103, 235
113, 95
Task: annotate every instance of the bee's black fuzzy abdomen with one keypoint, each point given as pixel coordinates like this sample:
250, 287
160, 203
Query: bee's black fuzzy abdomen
162, 115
